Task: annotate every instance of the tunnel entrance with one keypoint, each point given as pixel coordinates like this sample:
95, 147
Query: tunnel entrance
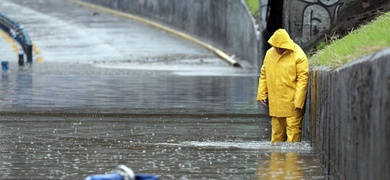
273, 18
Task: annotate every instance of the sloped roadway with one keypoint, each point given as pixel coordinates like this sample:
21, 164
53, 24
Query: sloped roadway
104, 90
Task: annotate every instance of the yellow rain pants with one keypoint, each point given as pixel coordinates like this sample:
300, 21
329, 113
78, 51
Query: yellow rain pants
287, 128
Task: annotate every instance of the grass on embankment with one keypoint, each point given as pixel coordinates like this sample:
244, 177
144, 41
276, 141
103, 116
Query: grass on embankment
368, 39
253, 6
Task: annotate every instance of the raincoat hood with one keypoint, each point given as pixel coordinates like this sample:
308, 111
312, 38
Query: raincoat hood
281, 39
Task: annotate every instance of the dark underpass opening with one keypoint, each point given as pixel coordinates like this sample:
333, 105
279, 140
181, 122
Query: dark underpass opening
273, 18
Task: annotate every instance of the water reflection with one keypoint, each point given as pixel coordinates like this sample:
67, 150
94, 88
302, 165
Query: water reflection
289, 165
122, 91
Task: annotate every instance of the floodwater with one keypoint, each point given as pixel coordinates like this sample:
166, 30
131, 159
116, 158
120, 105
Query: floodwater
46, 147
63, 122
58, 87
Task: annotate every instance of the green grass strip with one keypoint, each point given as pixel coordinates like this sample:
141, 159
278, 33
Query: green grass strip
253, 6
368, 39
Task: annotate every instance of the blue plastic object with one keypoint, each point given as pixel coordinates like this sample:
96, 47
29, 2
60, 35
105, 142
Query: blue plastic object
145, 177
115, 176
122, 173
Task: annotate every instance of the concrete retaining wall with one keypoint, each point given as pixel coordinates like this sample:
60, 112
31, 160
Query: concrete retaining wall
226, 24
348, 117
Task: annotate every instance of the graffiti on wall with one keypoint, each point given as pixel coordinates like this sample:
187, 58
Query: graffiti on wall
318, 17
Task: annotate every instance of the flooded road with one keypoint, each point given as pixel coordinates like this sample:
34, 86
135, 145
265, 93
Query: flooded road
114, 91
62, 122
43, 147
57, 87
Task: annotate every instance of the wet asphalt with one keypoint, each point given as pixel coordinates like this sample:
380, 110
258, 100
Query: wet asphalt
105, 90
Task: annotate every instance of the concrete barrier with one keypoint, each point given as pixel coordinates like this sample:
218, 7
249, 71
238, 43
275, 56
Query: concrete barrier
348, 117
226, 24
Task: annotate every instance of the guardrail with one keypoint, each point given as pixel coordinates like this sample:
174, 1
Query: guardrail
17, 32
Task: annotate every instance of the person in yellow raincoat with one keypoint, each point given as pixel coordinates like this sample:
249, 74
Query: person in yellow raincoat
283, 86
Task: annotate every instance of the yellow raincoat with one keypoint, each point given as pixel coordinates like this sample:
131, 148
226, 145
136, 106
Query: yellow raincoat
283, 78
283, 81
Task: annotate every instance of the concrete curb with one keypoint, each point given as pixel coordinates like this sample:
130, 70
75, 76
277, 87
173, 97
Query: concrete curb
215, 50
